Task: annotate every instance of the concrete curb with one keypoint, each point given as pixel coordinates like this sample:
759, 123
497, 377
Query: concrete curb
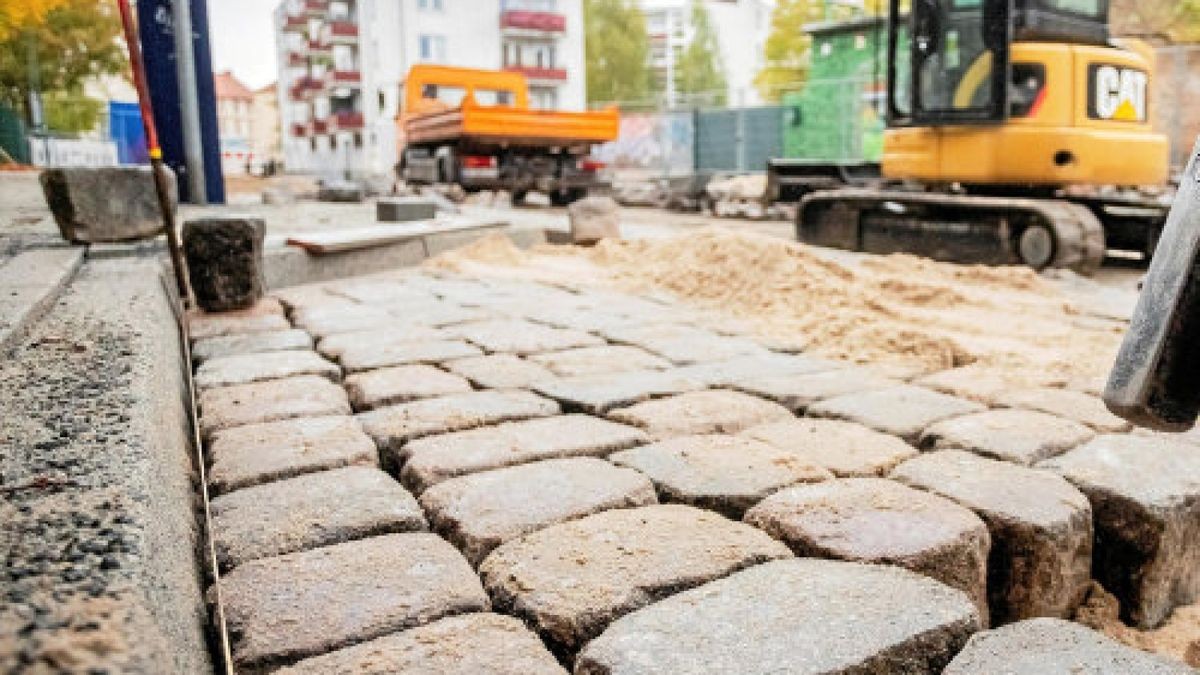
29, 284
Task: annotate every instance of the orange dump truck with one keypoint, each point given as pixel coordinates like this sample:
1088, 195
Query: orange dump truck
475, 128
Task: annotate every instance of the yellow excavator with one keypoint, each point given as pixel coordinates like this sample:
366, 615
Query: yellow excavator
1018, 132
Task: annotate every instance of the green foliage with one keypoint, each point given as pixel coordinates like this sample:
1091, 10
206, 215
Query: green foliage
788, 47
699, 71
1165, 20
617, 52
71, 112
73, 41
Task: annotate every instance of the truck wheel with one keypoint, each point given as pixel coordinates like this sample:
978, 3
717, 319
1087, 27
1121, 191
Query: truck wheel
565, 197
518, 197
1036, 246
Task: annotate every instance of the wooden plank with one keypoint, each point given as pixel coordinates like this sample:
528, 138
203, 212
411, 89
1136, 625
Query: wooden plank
336, 241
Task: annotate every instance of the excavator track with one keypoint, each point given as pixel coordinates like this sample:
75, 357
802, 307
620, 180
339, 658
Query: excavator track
1040, 233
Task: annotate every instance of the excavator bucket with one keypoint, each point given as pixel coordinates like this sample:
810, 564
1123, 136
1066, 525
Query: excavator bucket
1156, 380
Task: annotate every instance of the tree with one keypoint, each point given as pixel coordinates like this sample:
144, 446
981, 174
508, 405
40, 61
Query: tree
1160, 20
617, 52
69, 42
787, 48
699, 71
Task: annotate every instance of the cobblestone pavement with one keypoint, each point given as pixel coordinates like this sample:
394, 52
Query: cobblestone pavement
427, 473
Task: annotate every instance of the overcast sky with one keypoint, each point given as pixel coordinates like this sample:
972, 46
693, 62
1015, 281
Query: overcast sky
243, 39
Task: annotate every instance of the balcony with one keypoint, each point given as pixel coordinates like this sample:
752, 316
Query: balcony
341, 32
316, 8
318, 48
318, 127
343, 78
542, 22
540, 74
295, 24
297, 60
345, 121
299, 129
303, 87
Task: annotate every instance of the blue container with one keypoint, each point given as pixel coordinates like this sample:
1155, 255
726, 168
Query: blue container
126, 130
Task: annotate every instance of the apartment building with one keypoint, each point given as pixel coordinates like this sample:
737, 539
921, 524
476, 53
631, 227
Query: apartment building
235, 104
742, 27
342, 64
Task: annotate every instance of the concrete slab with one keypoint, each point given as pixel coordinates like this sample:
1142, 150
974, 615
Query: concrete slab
1038, 646
1073, 405
282, 609
302, 396
683, 345
1041, 529
599, 394
29, 284
459, 645
260, 453
393, 426
800, 390
844, 448
251, 343
225, 371
315, 509
481, 511
388, 386
571, 580
727, 474
361, 357
792, 616
600, 360
1145, 493
267, 315
499, 371
1021, 436
701, 412
366, 340
903, 411
524, 337
873, 520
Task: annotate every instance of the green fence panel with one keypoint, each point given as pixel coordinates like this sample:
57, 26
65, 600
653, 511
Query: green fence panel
12, 135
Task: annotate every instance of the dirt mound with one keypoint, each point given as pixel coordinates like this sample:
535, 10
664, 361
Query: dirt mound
1178, 637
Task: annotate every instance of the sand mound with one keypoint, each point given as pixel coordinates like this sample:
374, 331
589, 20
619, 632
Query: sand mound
1177, 637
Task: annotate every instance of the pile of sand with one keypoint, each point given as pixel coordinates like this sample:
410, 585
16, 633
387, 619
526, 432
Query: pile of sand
1177, 637
898, 308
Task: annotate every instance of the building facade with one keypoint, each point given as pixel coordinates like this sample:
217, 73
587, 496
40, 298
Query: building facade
342, 65
264, 127
234, 115
742, 27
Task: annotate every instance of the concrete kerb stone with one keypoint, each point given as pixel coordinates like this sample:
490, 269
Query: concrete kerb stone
481, 511
469, 644
874, 520
225, 371
1145, 493
701, 412
499, 371
727, 474
796, 616
259, 453
429, 461
29, 284
1047, 645
570, 580
903, 411
798, 391
844, 448
315, 509
302, 396
104, 204
400, 384
1021, 436
251, 343
282, 609
1041, 529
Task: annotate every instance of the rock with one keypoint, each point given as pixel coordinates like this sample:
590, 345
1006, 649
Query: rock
389, 386
523, 337
1039, 646
800, 390
684, 345
701, 412
316, 509
570, 580
225, 371
727, 474
394, 426
250, 343
359, 357
1145, 493
259, 453
459, 645
340, 191
844, 448
265, 316
599, 394
791, 616
499, 371
593, 219
478, 512
404, 209
431, 460
1073, 405
1021, 436
225, 261
363, 341
599, 360
1041, 529
302, 604
303, 396
903, 411
873, 520
94, 205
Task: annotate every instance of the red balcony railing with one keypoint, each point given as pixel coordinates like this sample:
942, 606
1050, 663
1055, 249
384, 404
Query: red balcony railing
295, 24
343, 77
343, 29
318, 126
342, 121
295, 59
536, 73
549, 22
299, 129
316, 8
304, 85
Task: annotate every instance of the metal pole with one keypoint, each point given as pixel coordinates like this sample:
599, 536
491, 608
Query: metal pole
161, 181
189, 102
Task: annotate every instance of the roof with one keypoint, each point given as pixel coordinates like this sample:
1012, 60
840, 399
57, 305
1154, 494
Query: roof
228, 86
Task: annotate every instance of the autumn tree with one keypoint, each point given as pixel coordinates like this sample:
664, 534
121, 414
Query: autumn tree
616, 51
699, 73
787, 48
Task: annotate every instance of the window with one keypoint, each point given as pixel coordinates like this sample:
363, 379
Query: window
433, 48
451, 96
543, 98
492, 97
430, 5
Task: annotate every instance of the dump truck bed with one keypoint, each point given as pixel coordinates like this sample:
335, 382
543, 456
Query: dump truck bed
511, 126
